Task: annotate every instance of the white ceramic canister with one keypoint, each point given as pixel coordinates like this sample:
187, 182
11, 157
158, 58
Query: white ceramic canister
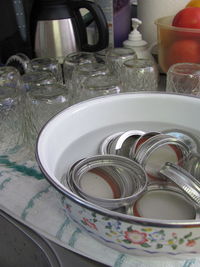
149, 10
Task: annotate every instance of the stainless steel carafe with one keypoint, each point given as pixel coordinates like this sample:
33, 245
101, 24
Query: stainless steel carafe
58, 28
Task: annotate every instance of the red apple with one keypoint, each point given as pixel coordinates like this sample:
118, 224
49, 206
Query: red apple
188, 18
187, 50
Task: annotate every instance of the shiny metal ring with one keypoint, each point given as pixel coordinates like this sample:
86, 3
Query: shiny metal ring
156, 142
184, 180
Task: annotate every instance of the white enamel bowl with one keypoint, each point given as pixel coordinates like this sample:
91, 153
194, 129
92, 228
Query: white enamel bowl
76, 133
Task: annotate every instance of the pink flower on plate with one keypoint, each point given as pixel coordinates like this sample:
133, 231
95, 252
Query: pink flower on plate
90, 224
136, 237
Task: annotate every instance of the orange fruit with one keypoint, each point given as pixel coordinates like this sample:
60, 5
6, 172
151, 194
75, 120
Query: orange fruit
193, 3
186, 50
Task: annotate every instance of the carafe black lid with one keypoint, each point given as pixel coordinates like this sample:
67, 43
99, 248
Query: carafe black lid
51, 10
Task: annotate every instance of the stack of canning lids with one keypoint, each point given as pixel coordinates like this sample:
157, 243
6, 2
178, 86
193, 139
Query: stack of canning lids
129, 162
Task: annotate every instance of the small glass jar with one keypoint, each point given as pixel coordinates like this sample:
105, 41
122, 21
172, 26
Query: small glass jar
11, 121
47, 64
92, 80
10, 77
42, 103
115, 57
100, 84
183, 78
72, 60
36, 78
140, 75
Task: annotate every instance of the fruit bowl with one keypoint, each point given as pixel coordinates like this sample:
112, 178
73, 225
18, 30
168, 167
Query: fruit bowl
176, 44
77, 131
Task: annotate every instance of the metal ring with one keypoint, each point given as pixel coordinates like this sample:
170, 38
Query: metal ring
155, 142
184, 180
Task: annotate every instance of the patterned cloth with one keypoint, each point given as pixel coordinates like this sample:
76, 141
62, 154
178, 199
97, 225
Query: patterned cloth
27, 196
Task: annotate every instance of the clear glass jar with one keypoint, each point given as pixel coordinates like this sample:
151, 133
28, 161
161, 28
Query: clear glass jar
42, 103
140, 75
72, 60
115, 57
37, 78
10, 77
47, 64
92, 80
11, 122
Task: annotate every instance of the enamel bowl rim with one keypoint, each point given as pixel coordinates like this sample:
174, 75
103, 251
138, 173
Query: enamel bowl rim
92, 207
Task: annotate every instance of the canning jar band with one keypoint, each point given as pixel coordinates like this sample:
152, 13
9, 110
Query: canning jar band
140, 141
116, 185
104, 147
137, 177
192, 165
183, 180
165, 187
119, 142
189, 139
156, 142
101, 161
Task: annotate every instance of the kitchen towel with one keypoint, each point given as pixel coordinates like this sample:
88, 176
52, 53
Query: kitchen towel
26, 195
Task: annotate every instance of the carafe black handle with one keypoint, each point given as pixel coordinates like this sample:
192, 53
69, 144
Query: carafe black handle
99, 19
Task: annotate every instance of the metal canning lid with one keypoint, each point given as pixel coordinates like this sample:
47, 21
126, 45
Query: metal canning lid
189, 139
123, 143
109, 181
105, 173
183, 180
104, 147
165, 201
118, 191
140, 141
159, 149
